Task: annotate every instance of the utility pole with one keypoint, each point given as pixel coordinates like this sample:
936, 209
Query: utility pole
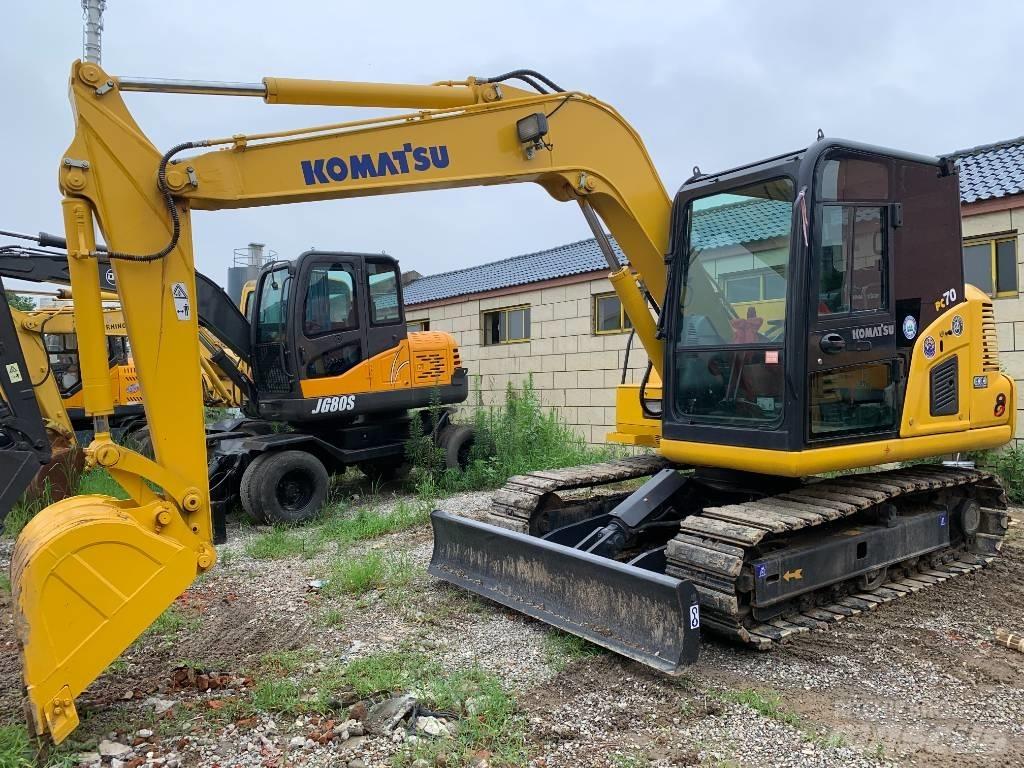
92, 34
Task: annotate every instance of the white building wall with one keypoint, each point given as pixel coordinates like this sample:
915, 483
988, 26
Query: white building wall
1009, 310
573, 370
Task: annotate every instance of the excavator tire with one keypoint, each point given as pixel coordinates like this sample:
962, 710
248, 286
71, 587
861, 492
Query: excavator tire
248, 492
456, 440
288, 487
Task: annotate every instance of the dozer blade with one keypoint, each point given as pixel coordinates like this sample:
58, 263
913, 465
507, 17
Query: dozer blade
649, 617
87, 579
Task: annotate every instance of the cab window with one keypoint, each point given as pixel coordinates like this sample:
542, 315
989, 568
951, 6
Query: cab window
330, 301
382, 285
273, 308
852, 259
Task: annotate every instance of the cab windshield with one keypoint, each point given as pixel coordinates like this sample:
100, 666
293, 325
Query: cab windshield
729, 345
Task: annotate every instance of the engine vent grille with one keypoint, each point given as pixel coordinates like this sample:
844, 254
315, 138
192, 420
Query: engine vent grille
944, 400
989, 339
269, 366
429, 367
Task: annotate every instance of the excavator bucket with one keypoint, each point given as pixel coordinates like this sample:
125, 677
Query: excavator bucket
647, 616
87, 579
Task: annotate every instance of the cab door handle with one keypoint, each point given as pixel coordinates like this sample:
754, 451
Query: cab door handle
832, 343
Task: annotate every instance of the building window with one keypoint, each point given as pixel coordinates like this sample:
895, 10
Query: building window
609, 316
507, 326
991, 265
415, 326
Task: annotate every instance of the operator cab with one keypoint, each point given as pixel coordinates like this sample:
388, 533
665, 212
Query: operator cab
311, 320
799, 286
329, 340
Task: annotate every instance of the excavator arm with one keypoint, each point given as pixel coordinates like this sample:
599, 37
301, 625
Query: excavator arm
90, 573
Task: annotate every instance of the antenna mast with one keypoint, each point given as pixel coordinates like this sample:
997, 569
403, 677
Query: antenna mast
92, 34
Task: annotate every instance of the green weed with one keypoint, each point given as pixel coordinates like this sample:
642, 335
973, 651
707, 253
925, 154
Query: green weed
516, 437
170, 622
489, 718
358, 574
278, 543
767, 704
15, 748
5, 584
99, 481
370, 523
332, 617
284, 696
562, 649
285, 661
628, 760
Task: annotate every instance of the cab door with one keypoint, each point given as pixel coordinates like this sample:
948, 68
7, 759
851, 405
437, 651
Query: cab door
328, 322
855, 376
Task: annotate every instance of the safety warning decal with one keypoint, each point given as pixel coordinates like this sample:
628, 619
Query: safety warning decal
13, 373
182, 303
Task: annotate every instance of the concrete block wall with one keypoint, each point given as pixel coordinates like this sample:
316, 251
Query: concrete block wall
1009, 310
573, 370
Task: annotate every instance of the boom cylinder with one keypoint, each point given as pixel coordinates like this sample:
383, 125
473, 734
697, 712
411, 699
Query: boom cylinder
330, 93
89, 325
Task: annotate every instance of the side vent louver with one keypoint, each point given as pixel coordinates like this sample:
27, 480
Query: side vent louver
944, 400
990, 339
429, 367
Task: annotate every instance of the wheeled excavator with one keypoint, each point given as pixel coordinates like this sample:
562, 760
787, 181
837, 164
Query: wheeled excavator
804, 314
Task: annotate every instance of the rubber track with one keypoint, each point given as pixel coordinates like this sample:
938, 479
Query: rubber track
523, 496
712, 549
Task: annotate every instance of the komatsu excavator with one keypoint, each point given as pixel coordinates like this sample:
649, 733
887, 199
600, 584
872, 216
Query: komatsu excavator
804, 314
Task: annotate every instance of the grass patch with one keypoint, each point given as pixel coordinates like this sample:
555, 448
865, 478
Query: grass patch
285, 661
280, 696
170, 622
562, 649
513, 438
767, 704
629, 760
95, 481
100, 482
334, 618
371, 523
278, 543
489, 718
358, 574
5, 584
15, 748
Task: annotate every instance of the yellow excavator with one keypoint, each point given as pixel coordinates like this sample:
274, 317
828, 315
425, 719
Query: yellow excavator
803, 314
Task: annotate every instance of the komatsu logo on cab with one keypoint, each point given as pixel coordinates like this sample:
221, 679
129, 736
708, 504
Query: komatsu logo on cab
408, 159
873, 331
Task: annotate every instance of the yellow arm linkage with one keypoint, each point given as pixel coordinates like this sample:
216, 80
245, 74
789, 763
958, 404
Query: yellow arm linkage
90, 574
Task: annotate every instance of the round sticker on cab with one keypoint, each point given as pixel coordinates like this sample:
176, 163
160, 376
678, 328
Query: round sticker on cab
929, 347
909, 327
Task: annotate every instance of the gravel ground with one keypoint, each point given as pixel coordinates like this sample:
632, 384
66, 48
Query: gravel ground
919, 682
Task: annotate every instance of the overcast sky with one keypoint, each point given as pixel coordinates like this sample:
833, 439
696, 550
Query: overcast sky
708, 83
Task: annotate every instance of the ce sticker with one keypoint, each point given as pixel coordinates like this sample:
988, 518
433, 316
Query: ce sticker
1000, 408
